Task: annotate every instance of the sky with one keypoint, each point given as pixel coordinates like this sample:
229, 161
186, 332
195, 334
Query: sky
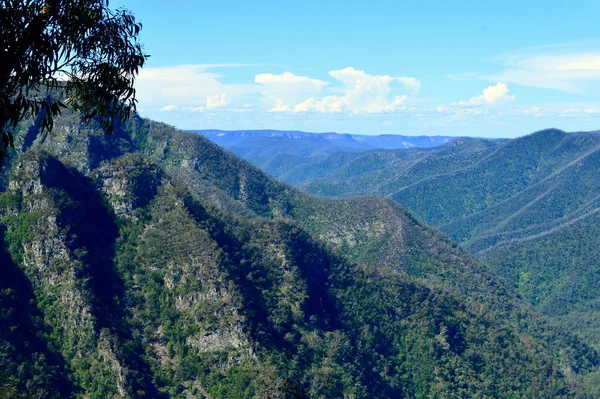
458, 68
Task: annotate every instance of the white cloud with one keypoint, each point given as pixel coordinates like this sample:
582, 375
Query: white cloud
585, 62
588, 111
212, 102
168, 108
280, 106
194, 88
410, 83
561, 68
287, 79
570, 111
536, 112
362, 93
327, 104
217, 100
489, 105
491, 95
287, 88
194, 109
579, 112
188, 87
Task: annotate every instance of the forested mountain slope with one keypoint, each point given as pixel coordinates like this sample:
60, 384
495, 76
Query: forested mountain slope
151, 263
373, 171
528, 206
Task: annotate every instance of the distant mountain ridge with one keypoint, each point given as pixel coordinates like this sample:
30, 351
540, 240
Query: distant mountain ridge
251, 143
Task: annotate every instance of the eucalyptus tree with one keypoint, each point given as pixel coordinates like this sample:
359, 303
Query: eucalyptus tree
88, 51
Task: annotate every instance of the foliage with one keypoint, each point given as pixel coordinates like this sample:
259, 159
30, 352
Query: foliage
528, 206
88, 50
162, 266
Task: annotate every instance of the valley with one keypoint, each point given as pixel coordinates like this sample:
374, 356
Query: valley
528, 207
159, 264
170, 228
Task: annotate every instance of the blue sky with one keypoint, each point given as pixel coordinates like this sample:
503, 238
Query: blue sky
478, 68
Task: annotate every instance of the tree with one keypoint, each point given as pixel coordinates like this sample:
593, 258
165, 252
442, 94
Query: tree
88, 52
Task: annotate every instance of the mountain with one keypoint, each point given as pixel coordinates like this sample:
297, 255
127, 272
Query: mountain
396, 141
254, 143
528, 207
152, 263
267, 143
352, 173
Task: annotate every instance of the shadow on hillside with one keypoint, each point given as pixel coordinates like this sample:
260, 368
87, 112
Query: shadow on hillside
252, 280
94, 231
258, 276
253, 274
24, 350
106, 147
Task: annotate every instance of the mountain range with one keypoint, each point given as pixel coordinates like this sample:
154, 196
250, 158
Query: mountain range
254, 143
528, 207
153, 263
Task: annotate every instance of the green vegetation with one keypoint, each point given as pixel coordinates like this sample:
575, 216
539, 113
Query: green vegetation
528, 207
42, 42
159, 265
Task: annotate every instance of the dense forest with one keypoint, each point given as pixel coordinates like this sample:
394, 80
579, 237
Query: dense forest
528, 207
153, 263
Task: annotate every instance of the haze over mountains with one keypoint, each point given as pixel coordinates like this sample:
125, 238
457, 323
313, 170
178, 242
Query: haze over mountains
152, 263
253, 143
528, 206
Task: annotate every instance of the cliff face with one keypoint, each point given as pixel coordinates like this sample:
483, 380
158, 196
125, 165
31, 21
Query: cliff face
152, 263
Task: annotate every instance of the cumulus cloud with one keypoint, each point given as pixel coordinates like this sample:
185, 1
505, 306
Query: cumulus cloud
491, 95
217, 100
195, 88
362, 93
178, 91
411, 83
188, 87
489, 105
286, 89
345, 104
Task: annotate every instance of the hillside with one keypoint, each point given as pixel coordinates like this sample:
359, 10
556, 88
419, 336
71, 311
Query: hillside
527, 206
151, 263
372, 171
